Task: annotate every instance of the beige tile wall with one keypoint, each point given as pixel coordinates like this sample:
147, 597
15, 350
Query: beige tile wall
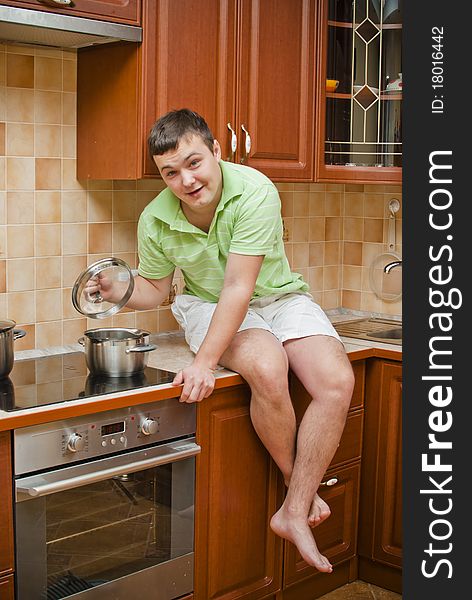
52, 226
335, 234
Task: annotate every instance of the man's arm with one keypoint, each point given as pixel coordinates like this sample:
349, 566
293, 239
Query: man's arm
240, 279
147, 293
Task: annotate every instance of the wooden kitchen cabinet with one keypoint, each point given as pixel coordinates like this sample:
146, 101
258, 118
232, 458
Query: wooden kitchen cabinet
238, 489
242, 64
119, 11
7, 588
380, 524
337, 536
359, 122
6, 510
275, 90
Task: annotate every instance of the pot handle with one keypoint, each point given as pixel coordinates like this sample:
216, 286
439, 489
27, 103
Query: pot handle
18, 333
81, 341
144, 348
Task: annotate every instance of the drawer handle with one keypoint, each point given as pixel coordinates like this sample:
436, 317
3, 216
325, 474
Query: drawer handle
330, 482
56, 2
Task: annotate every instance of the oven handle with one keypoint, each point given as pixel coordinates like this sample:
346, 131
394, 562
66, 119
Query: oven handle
34, 486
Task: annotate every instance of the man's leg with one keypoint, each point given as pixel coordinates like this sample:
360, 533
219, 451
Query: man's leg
261, 359
323, 368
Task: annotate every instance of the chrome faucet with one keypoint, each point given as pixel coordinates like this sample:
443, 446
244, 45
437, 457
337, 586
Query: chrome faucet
392, 265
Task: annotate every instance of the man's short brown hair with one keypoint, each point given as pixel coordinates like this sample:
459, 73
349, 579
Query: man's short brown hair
175, 125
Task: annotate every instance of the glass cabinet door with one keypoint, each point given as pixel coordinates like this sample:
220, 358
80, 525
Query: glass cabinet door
361, 91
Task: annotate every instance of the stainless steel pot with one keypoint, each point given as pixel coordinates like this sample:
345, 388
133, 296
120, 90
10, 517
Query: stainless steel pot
116, 351
8, 334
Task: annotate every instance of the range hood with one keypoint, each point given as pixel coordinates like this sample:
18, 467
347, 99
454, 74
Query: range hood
51, 29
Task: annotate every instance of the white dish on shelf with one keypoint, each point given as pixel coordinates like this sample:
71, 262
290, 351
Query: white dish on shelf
395, 86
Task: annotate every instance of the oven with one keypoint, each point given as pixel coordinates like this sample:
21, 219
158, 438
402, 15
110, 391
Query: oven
105, 505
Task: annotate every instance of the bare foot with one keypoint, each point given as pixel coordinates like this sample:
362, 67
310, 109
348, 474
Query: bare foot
319, 512
296, 530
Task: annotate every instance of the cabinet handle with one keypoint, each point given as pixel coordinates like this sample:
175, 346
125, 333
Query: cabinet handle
332, 481
247, 144
234, 141
60, 2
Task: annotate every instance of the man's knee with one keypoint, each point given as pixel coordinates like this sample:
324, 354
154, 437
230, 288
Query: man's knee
268, 377
335, 385
346, 379
341, 384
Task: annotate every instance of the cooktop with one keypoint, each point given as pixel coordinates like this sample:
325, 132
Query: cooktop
62, 377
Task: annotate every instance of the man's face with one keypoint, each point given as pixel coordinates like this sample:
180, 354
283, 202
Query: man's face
192, 172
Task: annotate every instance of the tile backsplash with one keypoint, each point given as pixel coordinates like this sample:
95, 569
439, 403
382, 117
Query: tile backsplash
335, 234
52, 225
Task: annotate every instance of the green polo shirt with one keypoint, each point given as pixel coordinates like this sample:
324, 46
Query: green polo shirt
247, 221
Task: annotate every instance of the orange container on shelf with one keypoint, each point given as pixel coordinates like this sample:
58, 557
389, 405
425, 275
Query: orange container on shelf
331, 85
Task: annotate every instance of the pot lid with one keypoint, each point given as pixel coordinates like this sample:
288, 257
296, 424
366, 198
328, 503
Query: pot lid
6, 325
115, 272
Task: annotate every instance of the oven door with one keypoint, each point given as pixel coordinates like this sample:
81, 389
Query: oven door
113, 528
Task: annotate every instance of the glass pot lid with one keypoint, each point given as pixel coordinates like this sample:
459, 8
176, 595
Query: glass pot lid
6, 325
112, 271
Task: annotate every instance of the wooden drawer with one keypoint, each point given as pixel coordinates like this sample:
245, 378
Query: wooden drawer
350, 444
7, 588
359, 386
337, 536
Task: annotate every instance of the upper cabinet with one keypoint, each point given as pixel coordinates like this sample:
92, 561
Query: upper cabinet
119, 11
274, 105
245, 65
360, 91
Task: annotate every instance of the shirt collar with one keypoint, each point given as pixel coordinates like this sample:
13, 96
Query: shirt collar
232, 185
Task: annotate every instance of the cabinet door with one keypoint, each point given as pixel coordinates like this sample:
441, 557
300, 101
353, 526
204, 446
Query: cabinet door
186, 60
381, 494
276, 87
120, 11
336, 537
359, 126
108, 112
189, 56
7, 588
237, 492
6, 509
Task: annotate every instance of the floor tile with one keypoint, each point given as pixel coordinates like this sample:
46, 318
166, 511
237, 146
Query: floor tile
381, 594
360, 590
357, 590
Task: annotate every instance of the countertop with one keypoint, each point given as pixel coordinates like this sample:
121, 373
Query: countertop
172, 355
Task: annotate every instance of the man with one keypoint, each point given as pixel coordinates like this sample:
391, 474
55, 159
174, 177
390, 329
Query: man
244, 309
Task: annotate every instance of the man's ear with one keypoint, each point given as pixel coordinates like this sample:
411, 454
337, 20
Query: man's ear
216, 150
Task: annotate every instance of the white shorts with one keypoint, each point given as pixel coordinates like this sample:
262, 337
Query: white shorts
288, 317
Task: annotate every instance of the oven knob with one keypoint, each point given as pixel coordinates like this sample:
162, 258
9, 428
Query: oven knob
149, 426
76, 443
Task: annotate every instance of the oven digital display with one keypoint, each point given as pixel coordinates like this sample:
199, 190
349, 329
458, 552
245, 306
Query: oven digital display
112, 428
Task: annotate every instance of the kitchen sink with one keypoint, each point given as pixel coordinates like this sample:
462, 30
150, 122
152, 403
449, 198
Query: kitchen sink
391, 334
384, 330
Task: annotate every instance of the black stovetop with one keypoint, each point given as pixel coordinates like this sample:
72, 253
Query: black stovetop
63, 377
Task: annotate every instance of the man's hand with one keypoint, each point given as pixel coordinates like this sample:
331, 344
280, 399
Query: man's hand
100, 288
198, 383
